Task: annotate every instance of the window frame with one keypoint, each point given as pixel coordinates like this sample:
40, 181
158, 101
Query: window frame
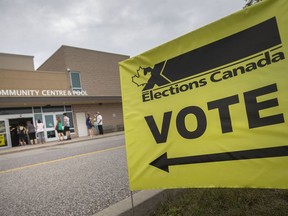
71, 81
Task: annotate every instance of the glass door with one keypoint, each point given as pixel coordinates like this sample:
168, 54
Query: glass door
50, 132
5, 140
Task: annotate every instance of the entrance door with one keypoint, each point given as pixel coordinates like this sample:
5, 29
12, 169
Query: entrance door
14, 124
50, 132
81, 123
5, 140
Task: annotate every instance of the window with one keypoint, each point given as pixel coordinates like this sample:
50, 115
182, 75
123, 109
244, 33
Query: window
36, 117
75, 81
53, 109
49, 121
37, 109
68, 108
11, 111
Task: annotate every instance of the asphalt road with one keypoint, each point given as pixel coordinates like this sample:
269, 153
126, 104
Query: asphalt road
75, 179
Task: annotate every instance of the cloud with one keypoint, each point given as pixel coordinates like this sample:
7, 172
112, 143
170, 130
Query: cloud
39, 28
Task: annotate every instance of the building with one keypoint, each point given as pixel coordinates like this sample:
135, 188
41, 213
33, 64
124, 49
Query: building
73, 80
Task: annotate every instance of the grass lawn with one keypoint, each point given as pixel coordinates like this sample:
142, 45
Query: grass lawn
226, 202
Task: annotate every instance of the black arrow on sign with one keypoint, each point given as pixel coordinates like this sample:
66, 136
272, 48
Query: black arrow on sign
163, 162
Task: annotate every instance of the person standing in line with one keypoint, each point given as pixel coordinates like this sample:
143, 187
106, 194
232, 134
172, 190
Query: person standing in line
22, 134
67, 126
59, 129
89, 124
100, 123
40, 131
31, 133
95, 124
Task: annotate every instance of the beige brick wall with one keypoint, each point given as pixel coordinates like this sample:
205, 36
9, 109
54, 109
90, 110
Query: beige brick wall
16, 62
111, 112
17, 79
55, 63
99, 70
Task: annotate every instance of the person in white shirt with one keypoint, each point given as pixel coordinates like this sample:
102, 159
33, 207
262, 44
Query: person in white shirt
67, 126
40, 131
95, 124
100, 123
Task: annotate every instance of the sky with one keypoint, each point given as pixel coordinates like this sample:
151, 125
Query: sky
130, 27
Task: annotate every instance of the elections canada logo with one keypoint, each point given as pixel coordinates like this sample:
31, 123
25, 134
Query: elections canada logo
237, 54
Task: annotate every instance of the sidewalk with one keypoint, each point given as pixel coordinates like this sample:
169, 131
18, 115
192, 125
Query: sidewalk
55, 143
144, 202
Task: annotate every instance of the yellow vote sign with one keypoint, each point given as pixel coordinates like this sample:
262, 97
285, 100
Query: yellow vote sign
2, 140
210, 108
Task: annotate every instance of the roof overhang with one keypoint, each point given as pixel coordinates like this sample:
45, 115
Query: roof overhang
56, 101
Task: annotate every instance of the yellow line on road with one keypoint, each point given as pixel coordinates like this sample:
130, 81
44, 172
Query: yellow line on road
57, 160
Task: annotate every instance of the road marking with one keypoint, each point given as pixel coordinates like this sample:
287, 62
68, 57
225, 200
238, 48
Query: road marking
57, 160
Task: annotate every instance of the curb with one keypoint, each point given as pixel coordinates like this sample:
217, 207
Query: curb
145, 202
